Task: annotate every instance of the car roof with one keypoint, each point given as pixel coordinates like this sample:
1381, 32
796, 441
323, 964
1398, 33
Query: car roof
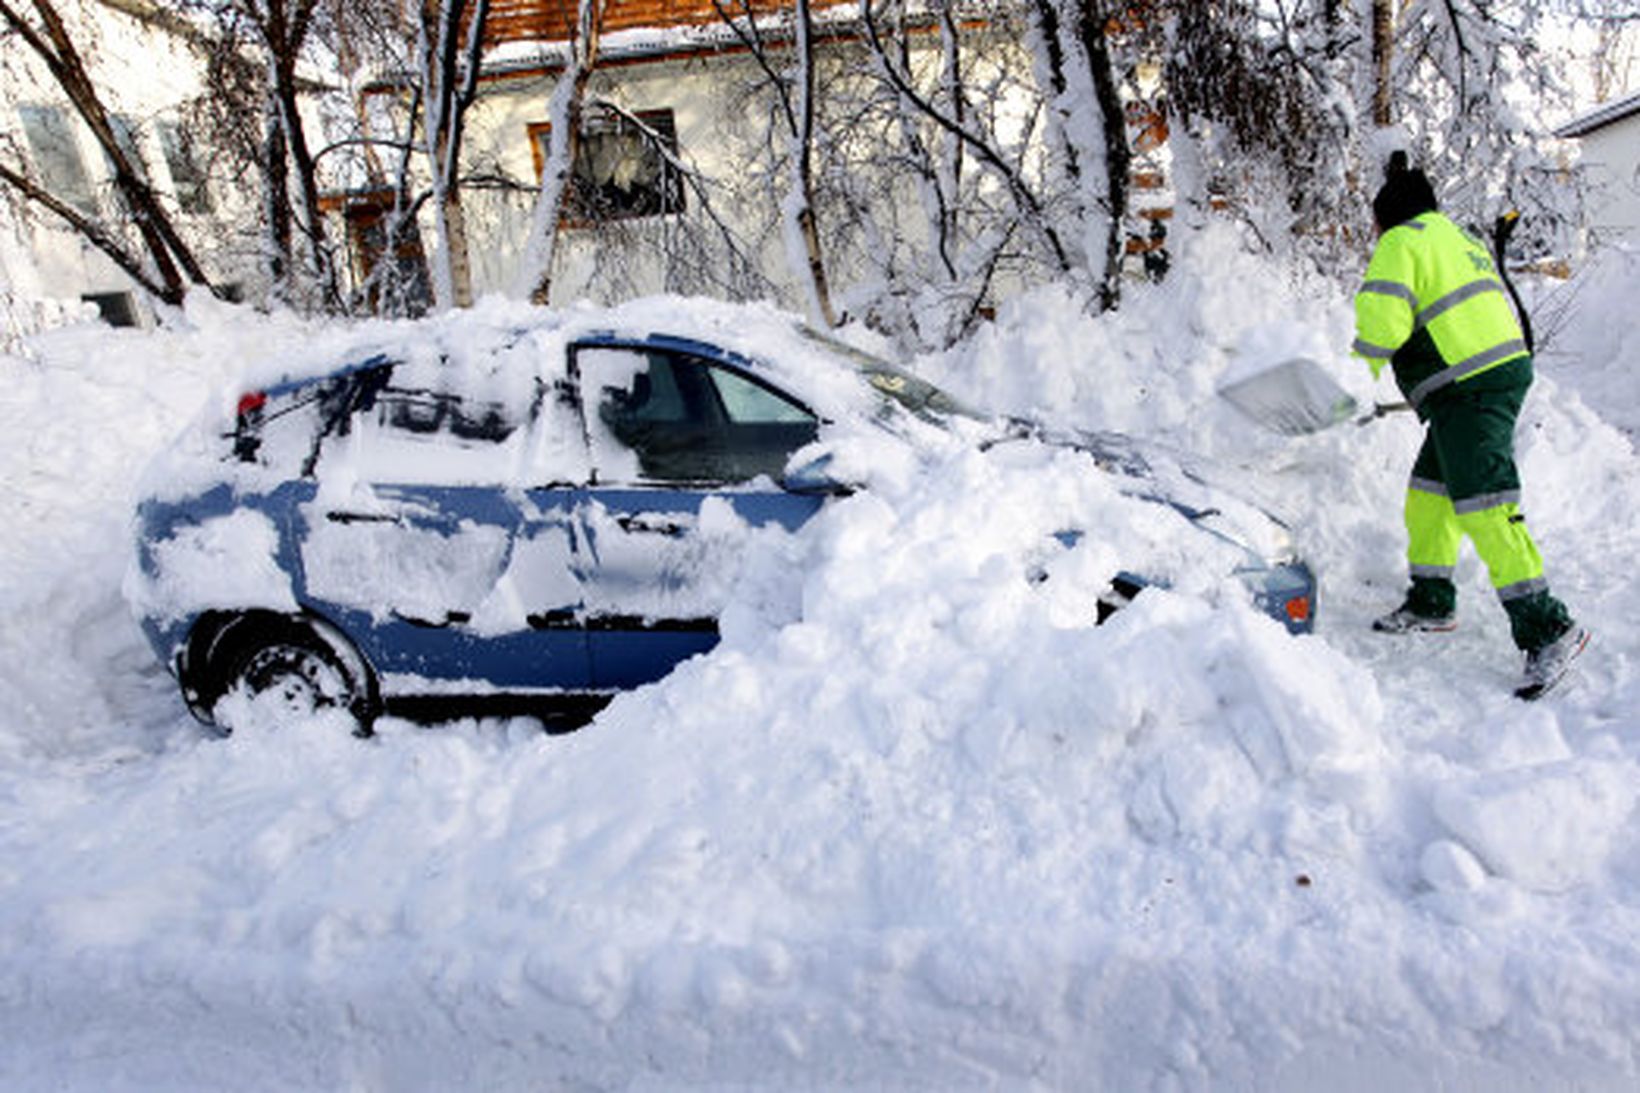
760, 339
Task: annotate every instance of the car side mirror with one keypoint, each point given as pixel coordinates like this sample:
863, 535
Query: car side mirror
814, 477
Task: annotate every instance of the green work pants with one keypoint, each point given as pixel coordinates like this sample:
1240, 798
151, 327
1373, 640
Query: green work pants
1464, 483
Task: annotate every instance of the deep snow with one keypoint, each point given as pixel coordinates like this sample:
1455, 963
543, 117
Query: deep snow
935, 832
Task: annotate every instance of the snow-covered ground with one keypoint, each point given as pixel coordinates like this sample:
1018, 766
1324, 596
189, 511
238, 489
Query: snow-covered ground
931, 835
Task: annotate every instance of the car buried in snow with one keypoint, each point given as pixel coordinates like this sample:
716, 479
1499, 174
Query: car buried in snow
543, 505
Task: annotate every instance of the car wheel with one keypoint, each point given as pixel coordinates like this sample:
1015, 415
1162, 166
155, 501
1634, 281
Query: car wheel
289, 668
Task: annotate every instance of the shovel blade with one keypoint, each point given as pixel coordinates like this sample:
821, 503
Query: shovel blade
1293, 398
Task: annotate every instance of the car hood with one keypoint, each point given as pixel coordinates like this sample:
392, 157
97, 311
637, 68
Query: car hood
1180, 479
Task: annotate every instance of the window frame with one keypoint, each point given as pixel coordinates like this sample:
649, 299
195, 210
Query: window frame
647, 125
190, 181
48, 128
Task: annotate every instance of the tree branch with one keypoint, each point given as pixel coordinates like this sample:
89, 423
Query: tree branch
93, 232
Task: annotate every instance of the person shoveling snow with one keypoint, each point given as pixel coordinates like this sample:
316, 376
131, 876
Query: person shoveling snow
1432, 307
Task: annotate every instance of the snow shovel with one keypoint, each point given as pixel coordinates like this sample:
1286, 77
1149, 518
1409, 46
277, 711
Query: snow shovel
1294, 398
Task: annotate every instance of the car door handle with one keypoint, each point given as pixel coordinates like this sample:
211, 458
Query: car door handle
451, 618
651, 524
362, 517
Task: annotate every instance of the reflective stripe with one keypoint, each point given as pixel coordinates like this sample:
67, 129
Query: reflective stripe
1522, 589
1415, 225
1372, 352
1393, 288
1454, 298
1433, 572
1427, 485
1471, 505
1496, 355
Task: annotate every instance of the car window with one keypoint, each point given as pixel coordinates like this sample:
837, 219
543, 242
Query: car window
666, 416
278, 430
748, 402
423, 426
433, 414
282, 428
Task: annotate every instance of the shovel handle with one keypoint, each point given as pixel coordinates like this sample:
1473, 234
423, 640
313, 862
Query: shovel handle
1382, 409
1502, 229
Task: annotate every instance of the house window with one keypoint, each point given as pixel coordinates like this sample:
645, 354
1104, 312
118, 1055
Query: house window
624, 167
186, 173
114, 308
57, 162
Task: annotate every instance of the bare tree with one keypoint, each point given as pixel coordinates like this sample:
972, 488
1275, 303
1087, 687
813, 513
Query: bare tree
1613, 22
1473, 87
451, 44
238, 120
701, 251
935, 271
1075, 39
793, 89
412, 73
95, 232
1064, 216
282, 28
1265, 104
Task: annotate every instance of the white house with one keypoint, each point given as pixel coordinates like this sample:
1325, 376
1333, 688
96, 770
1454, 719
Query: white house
1609, 140
674, 87
679, 146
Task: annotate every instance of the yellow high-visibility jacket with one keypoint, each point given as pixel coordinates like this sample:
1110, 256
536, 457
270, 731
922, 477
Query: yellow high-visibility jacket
1432, 306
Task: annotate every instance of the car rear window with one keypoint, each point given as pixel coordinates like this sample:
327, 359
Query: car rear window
280, 428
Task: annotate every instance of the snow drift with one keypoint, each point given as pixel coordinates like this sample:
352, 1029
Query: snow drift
913, 824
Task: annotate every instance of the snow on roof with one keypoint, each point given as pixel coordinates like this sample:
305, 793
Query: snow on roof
1605, 114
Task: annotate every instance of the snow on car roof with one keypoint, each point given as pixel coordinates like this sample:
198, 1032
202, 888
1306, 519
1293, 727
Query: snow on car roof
506, 347
771, 342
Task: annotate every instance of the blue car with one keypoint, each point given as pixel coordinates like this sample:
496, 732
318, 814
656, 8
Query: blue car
543, 507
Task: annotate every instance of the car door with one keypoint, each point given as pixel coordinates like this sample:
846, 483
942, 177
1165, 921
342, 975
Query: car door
420, 541
687, 453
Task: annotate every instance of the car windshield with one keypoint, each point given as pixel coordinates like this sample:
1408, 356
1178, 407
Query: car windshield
890, 381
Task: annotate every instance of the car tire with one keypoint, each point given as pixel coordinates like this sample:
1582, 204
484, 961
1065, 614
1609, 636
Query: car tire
301, 661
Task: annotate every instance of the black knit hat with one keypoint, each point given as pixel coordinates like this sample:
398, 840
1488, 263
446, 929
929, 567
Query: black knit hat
1405, 194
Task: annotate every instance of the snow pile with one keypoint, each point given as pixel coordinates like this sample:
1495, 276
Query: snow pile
1547, 827
1581, 327
912, 825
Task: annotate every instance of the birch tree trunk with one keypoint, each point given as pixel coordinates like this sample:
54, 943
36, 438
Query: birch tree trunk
564, 136
811, 271
449, 76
